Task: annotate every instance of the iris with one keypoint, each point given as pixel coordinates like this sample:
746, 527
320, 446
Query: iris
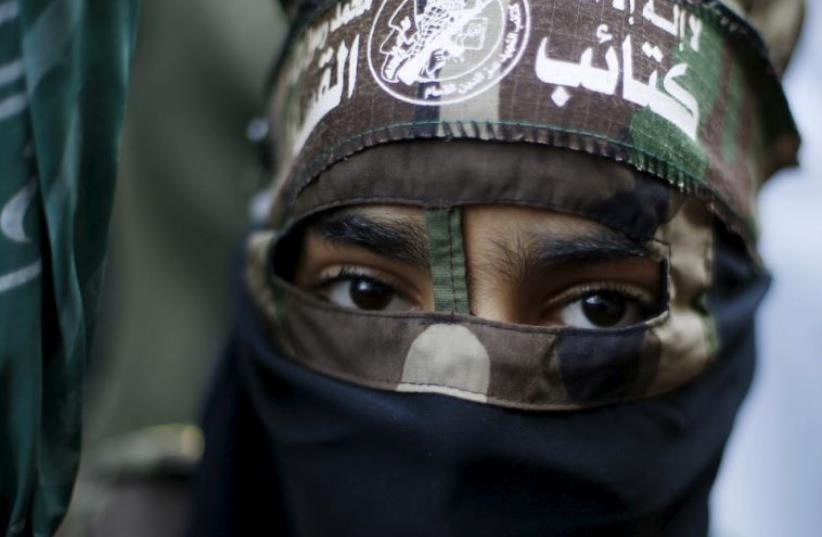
604, 309
371, 295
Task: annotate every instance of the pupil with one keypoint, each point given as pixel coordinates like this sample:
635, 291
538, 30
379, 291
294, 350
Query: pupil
604, 309
370, 295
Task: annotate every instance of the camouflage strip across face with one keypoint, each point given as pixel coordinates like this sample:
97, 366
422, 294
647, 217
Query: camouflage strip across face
678, 89
525, 367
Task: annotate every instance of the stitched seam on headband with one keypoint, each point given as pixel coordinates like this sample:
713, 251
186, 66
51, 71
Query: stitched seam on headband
331, 154
677, 178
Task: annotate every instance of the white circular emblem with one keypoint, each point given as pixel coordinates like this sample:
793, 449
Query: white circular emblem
435, 52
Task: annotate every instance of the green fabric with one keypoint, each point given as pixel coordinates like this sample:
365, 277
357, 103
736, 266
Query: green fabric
652, 134
732, 119
447, 257
63, 74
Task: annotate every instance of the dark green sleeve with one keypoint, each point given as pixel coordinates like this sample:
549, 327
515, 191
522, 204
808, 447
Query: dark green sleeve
63, 75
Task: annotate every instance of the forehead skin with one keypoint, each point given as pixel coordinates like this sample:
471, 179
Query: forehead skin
519, 256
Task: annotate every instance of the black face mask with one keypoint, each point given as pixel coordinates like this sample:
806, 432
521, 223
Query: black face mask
293, 452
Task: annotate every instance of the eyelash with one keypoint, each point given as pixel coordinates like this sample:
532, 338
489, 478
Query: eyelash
349, 272
645, 299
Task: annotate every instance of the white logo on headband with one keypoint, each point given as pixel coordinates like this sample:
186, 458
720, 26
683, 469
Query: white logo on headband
439, 52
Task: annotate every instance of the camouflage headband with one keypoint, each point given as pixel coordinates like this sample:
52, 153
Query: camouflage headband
681, 90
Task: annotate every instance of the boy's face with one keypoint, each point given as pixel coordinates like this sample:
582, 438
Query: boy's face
593, 293
523, 266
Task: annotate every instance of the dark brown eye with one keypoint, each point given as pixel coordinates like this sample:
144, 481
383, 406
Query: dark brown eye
371, 295
604, 309
364, 293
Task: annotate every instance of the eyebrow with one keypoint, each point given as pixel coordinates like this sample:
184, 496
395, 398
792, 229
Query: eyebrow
401, 239
598, 247
534, 254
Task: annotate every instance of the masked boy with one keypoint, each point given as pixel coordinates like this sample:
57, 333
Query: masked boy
508, 282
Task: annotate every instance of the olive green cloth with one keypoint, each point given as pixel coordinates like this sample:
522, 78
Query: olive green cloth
63, 73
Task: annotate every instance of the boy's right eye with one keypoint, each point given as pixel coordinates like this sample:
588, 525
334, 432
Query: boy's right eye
363, 288
364, 293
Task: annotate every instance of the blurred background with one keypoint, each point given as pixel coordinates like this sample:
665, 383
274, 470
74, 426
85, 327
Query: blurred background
187, 177
771, 480
182, 207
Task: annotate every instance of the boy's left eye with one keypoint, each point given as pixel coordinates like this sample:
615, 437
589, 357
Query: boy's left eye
604, 309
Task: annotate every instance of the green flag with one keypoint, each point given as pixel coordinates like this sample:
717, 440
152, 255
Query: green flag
63, 73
